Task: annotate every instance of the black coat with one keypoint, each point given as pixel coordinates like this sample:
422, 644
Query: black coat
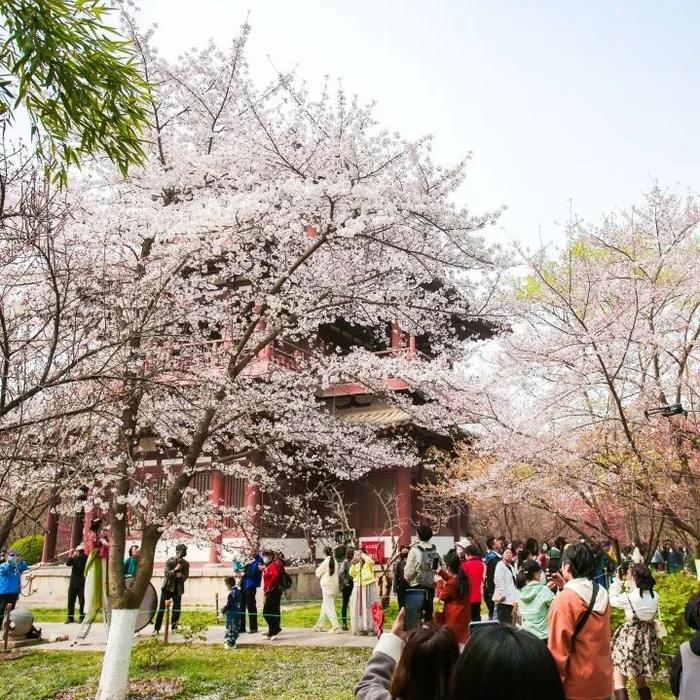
77, 572
171, 582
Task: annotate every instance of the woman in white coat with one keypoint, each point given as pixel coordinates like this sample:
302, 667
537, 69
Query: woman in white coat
327, 573
505, 593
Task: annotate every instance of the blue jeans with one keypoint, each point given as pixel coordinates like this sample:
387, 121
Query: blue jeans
233, 627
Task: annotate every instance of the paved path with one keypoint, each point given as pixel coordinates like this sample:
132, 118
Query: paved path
296, 636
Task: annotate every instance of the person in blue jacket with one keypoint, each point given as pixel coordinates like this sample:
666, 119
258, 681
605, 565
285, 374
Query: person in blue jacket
234, 609
11, 580
252, 580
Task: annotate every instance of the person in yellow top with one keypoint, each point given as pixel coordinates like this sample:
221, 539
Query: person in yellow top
364, 593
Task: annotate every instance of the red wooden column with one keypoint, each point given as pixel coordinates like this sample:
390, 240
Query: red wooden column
395, 336
411, 346
402, 484
78, 524
216, 487
252, 499
50, 534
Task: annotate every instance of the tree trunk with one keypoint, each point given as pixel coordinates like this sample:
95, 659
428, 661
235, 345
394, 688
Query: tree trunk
115, 666
7, 524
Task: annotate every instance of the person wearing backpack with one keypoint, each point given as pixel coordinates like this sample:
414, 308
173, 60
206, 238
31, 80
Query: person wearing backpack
579, 628
422, 564
273, 581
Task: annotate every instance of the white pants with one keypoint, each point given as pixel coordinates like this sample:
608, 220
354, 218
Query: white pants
328, 610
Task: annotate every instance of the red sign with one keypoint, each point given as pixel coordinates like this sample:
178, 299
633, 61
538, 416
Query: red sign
374, 549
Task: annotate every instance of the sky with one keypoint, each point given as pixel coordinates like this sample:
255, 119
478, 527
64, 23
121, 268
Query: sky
574, 106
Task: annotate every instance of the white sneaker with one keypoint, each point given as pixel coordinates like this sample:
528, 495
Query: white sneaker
335, 630
317, 628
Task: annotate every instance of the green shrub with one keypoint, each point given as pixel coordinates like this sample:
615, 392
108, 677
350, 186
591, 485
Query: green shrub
674, 591
30, 547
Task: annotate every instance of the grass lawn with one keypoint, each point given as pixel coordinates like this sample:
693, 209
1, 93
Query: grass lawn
292, 615
288, 673
211, 673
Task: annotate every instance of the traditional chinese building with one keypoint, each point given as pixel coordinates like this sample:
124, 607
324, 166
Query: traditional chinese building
366, 514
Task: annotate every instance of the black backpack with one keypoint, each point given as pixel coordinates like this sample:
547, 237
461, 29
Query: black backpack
285, 582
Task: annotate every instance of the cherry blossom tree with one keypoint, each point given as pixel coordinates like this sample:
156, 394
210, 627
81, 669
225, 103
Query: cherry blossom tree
601, 334
261, 214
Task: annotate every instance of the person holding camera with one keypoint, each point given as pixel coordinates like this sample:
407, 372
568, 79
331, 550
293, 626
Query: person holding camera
636, 649
11, 580
579, 628
77, 561
177, 571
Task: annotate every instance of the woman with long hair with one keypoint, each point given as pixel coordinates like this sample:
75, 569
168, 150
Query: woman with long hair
452, 588
327, 573
97, 549
635, 645
420, 669
364, 593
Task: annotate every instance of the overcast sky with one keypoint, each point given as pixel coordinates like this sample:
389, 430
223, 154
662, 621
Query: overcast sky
591, 101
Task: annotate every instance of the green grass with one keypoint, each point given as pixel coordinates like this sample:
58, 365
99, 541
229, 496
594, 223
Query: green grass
252, 673
292, 615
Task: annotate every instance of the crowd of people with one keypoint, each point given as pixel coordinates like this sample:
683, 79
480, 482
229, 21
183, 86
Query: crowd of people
548, 609
548, 633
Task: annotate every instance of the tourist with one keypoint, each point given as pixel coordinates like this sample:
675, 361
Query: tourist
420, 669
685, 667
452, 588
327, 574
176, 572
494, 547
421, 566
635, 646
475, 569
579, 628
505, 594
638, 553
97, 550
400, 582
364, 593
273, 569
132, 561
535, 599
554, 563
657, 559
234, 610
543, 558
77, 559
11, 580
252, 580
345, 581
504, 662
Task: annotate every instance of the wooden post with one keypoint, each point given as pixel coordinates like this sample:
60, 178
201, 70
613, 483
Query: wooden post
216, 605
166, 631
607, 577
6, 626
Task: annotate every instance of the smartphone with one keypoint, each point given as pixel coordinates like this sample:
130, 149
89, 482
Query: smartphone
476, 628
415, 598
436, 564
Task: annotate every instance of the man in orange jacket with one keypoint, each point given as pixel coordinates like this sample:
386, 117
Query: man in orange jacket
579, 628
